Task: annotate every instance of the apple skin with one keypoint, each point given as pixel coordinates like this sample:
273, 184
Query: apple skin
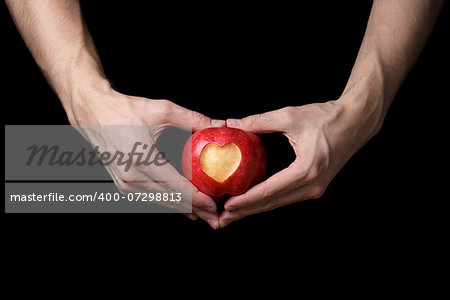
251, 170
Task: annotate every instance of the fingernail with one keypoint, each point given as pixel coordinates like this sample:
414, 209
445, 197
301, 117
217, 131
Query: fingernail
213, 223
217, 123
234, 123
230, 207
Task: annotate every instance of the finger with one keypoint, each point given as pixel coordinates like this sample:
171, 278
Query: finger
227, 217
191, 216
205, 208
177, 184
180, 116
301, 193
167, 178
218, 123
203, 201
211, 218
286, 180
260, 123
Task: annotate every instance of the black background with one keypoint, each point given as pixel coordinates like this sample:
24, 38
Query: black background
232, 60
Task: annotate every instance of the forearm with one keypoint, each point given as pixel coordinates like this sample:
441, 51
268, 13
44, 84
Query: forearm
396, 33
57, 37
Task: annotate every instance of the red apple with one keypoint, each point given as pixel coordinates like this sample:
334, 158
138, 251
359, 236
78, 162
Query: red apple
224, 161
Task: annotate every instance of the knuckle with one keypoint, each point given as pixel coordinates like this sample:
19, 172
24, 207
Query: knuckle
301, 174
312, 175
316, 168
127, 177
164, 108
317, 192
253, 121
165, 104
289, 112
199, 118
122, 187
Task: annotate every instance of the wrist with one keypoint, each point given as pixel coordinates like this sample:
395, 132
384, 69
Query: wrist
79, 72
366, 98
83, 93
81, 87
364, 109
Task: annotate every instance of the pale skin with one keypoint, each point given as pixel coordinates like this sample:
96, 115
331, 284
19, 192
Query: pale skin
324, 136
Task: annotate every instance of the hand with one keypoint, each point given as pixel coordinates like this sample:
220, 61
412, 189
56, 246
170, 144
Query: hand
324, 136
104, 106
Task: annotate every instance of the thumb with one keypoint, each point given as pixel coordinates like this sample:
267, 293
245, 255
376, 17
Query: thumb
259, 123
185, 117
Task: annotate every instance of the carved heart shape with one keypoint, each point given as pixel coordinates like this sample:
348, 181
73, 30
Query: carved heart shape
220, 162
